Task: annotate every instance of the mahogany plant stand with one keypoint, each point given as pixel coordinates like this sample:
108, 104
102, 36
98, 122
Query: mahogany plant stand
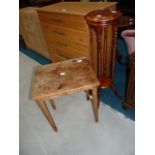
103, 26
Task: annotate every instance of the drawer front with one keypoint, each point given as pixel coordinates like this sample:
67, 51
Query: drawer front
57, 58
64, 37
67, 53
65, 45
66, 20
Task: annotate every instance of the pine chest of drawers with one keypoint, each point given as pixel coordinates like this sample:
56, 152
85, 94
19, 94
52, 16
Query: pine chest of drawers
65, 28
31, 31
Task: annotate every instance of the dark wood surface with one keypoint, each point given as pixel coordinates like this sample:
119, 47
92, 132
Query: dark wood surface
103, 26
129, 101
126, 21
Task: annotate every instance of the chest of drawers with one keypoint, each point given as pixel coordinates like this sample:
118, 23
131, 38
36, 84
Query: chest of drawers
65, 28
31, 31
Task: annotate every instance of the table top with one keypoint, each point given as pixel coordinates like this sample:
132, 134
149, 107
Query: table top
76, 8
62, 78
102, 16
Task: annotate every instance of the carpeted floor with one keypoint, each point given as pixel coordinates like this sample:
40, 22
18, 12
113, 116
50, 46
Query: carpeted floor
78, 133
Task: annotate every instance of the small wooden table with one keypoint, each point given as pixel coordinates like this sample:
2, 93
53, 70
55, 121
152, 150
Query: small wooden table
63, 78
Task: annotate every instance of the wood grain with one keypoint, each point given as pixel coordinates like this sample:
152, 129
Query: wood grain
31, 31
95, 103
47, 114
63, 78
103, 30
49, 83
77, 8
52, 103
68, 27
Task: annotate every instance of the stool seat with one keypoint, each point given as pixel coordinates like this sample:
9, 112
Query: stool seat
63, 78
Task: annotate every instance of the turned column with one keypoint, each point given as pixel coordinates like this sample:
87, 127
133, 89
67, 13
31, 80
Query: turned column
103, 26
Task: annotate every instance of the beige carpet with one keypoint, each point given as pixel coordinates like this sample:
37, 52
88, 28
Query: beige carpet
78, 133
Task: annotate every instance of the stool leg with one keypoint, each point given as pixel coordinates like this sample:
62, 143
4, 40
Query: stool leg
47, 114
98, 97
95, 103
87, 94
52, 104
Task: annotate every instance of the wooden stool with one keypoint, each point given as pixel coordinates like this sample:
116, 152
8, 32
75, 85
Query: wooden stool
63, 78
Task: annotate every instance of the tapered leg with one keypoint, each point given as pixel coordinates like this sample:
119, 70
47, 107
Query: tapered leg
52, 103
47, 114
98, 96
95, 103
87, 94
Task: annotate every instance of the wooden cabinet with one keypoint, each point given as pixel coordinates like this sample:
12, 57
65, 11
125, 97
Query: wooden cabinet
130, 87
31, 31
65, 28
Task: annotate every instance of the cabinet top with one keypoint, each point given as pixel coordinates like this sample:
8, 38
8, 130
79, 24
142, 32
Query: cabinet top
77, 8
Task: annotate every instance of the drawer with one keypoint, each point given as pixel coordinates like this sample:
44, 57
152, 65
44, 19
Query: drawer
68, 44
67, 53
56, 58
66, 20
64, 37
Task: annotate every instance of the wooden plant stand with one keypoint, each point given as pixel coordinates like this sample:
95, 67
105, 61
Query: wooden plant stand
103, 25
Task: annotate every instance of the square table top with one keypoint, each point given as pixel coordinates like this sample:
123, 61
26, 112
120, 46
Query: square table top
76, 8
62, 78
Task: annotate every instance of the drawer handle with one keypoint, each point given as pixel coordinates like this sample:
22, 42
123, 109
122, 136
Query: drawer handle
60, 33
62, 44
56, 20
79, 44
60, 53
